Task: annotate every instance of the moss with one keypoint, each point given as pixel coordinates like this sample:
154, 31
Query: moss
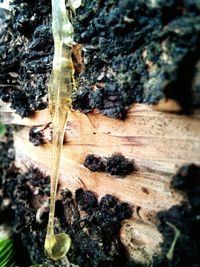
2, 129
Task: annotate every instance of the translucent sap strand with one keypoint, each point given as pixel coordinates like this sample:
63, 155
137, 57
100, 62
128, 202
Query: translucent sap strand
60, 90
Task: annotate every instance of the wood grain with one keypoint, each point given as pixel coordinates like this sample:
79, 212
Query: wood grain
158, 142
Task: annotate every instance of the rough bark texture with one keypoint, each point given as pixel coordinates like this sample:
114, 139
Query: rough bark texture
144, 168
134, 51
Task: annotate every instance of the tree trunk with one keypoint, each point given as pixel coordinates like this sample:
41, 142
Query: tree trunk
128, 52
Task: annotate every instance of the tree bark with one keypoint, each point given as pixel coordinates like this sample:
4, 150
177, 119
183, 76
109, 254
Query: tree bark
127, 52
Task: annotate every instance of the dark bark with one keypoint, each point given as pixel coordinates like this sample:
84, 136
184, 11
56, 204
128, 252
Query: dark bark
133, 51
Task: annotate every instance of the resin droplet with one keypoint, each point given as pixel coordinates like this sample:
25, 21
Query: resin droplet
57, 246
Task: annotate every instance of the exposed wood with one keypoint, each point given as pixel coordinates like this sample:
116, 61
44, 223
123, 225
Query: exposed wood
168, 105
142, 240
158, 142
8, 116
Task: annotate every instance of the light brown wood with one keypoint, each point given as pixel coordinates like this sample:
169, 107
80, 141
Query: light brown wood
142, 241
168, 105
8, 116
158, 142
